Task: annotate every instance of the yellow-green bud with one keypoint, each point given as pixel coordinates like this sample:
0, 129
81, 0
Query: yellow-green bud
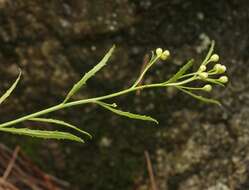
159, 52
223, 68
165, 55
207, 88
223, 79
202, 68
220, 68
214, 58
203, 75
217, 66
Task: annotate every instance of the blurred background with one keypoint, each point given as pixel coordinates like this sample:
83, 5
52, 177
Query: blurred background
195, 146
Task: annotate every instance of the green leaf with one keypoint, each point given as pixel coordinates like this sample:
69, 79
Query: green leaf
89, 74
127, 114
201, 98
59, 122
43, 134
211, 49
9, 91
181, 72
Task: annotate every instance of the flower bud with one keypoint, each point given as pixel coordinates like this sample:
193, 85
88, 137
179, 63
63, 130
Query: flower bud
223, 79
203, 75
223, 68
217, 66
207, 88
214, 58
220, 68
159, 52
165, 55
202, 68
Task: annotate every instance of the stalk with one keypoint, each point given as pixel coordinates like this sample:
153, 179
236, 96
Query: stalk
76, 103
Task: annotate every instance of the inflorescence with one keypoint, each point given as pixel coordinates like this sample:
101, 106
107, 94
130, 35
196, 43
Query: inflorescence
183, 80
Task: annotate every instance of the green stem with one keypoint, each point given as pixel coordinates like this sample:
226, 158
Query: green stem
181, 82
188, 75
75, 103
144, 71
92, 100
190, 88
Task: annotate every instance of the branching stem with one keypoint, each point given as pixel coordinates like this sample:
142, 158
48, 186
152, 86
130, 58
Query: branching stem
92, 100
76, 103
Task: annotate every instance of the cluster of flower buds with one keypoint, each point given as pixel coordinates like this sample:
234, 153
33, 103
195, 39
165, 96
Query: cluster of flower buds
162, 54
207, 74
219, 69
203, 74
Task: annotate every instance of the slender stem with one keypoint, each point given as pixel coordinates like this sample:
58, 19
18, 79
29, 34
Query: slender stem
75, 103
211, 49
144, 71
191, 88
181, 83
36, 114
92, 100
188, 75
213, 72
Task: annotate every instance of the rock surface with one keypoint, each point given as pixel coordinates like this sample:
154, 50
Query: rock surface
195, 147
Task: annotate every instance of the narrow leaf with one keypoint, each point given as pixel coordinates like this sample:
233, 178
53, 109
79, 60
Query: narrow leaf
127, 114
59, 122
43, 134
181, 72
201, 98
9, 91
90, 74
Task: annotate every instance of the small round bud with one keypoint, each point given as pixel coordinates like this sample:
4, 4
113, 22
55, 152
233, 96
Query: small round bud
159, 52
217, 66
203, 75
165, 55
223, 79
214, 58
207, 88
220, 68
202, 68
223, 68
